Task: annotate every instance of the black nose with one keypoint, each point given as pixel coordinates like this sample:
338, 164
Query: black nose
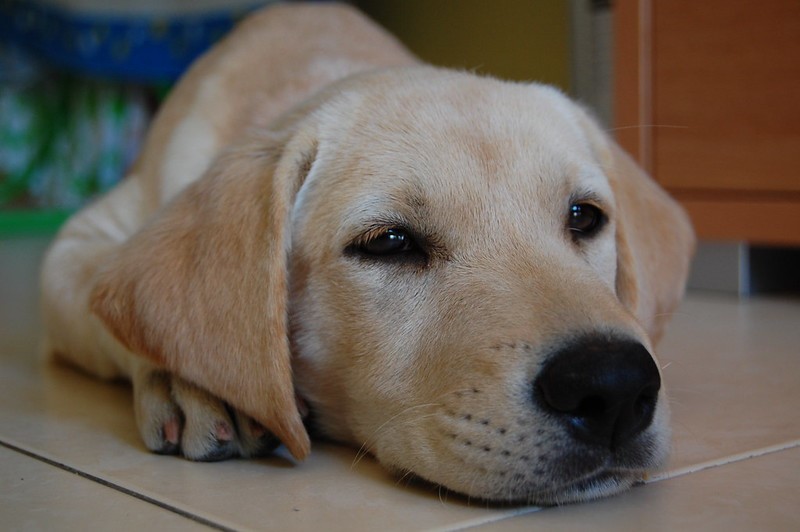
604, 389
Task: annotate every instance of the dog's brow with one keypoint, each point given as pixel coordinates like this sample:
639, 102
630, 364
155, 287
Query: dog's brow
585, 194
402, 207
417, 202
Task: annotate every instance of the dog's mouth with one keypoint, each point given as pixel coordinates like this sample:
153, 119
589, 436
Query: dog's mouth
604, 483
600, 484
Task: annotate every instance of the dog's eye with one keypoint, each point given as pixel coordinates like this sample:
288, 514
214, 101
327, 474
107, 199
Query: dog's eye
389, 242
585, 219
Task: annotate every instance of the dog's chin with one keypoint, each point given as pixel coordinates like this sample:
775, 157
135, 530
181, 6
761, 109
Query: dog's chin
598, 485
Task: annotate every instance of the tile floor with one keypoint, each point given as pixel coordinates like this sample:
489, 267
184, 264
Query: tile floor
70, 458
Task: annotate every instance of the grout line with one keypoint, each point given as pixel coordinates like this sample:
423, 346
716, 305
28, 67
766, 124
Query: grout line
730, 459
116, 487
478, 521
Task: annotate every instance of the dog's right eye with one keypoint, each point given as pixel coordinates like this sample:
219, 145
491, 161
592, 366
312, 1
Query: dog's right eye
585, 219
391, 242
387, 243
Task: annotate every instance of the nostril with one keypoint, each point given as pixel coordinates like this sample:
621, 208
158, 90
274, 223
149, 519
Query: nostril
591, 407
604, 390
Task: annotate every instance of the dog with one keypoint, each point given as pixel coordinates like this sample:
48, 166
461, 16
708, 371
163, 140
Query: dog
465, 277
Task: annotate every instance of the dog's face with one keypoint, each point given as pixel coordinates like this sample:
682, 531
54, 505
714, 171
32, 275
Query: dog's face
454, 304
466, 276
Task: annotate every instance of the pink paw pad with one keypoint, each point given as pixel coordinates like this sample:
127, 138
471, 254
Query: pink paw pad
172, 431
223, 431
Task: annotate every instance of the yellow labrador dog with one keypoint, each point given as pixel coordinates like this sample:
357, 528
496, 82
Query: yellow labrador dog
463, 275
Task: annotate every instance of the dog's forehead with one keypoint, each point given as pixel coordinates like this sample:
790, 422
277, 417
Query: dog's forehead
450, 112
456, 141
456, 123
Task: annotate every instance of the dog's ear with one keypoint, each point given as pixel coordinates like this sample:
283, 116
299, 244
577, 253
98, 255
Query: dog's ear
655, 241
655, 244
202, 289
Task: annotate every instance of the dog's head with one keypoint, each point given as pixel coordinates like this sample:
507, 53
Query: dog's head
468, 274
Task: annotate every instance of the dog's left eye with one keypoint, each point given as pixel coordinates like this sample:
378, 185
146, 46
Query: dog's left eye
585, 219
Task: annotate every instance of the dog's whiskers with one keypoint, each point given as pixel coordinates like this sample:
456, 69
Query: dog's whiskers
407, 475
366, 447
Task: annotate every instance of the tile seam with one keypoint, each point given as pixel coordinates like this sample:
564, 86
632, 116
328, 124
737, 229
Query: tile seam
719, 462
61, 465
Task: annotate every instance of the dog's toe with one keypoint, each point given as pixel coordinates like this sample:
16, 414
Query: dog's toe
176, 417
158, 417
254, 439
170, 437
208, 433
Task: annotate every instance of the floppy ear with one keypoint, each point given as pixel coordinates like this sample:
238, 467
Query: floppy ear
655, 240
202, 289
655, 244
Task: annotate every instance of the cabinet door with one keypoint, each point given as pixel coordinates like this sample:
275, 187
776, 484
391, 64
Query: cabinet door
716, 84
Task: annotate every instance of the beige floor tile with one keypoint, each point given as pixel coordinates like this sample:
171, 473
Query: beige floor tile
19, 294
733, 373
755, 494
38, 496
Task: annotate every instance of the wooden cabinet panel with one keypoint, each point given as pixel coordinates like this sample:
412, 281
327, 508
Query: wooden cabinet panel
707, 98
726, 73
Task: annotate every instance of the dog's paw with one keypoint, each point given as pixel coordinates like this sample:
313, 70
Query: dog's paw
176, 417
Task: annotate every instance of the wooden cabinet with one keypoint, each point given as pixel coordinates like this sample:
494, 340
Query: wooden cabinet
707, 97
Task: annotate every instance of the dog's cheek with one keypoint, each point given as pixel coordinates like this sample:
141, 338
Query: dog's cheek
602, 257
317, 366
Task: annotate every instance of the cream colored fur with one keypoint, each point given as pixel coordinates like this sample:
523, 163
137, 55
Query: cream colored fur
221, 268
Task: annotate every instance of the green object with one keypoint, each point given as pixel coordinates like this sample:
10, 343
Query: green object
31, 223
65, 139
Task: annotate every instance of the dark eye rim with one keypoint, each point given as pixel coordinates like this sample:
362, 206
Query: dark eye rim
586, 228
409, 249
